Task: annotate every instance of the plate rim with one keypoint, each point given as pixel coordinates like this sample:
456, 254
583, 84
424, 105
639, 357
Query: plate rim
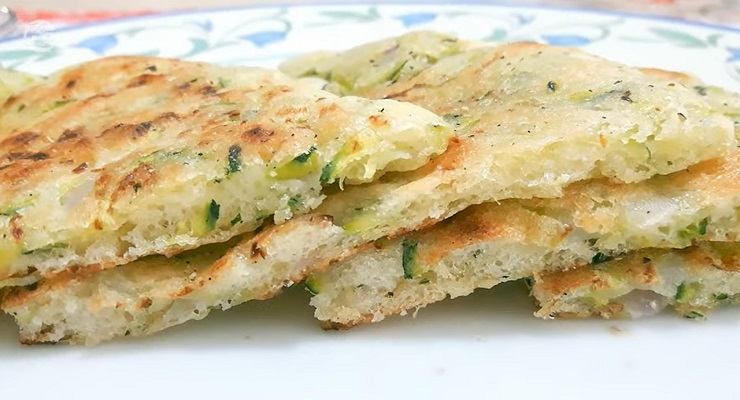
491, 3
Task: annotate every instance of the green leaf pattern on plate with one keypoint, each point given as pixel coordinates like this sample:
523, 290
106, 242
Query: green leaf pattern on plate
267, 35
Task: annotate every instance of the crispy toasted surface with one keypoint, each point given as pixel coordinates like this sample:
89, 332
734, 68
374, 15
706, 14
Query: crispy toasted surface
506, 146
128, 156
692, 281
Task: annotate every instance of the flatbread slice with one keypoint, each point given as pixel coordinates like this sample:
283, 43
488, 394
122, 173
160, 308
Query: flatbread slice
692, 281
123, 157
509, 144
488, 244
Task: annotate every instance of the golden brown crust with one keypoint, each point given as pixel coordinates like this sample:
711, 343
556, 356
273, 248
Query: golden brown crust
667, 75
565, 281
484, 223
692, 280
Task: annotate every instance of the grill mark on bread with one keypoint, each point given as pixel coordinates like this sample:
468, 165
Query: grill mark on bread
37, 156
70, 134
145, 303
256, 251
208, 90
378, 120
20, 139
275, 92
259, 134
142, 176
80, 168
145, 79
15, 227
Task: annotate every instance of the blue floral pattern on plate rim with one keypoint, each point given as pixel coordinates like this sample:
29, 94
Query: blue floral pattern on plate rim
265, 35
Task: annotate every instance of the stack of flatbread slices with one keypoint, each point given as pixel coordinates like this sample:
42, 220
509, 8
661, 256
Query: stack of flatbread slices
140, 193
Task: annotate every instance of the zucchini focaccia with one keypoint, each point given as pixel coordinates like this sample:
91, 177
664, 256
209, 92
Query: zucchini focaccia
479, 247
692, 281
488, 244
128, 156
510, 105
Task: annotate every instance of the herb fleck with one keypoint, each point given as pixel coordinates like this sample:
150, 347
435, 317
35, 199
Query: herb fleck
600, 257
552, 86
626, 96
235, 159
236, 219
294, 202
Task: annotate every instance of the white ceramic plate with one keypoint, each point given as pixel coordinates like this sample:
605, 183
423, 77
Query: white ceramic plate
484, 346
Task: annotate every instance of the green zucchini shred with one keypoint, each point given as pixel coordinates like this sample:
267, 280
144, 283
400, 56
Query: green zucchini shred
694, 315
212, 215
687, 291
694, 230
46, 249
313, 285
303, 157
326, 173
721, 296
300, 166
408, 258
